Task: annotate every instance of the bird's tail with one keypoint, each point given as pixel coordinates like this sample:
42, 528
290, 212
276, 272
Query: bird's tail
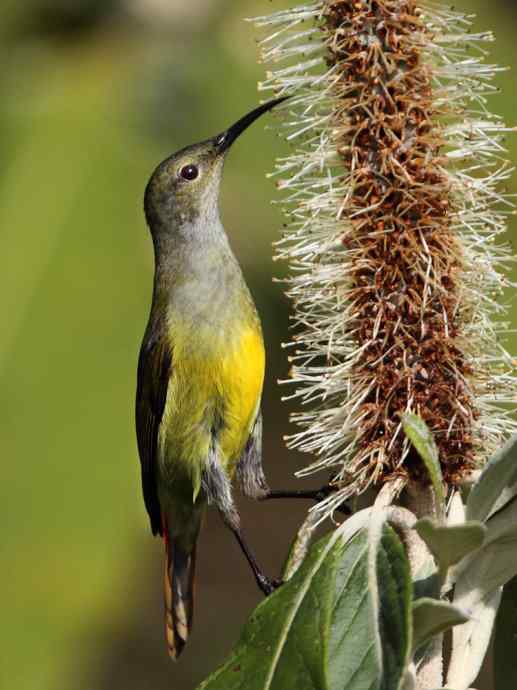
180, 567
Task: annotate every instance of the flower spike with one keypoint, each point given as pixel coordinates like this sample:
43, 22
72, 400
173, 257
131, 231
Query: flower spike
395, 207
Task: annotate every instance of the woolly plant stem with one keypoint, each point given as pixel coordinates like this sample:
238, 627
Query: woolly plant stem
421, 501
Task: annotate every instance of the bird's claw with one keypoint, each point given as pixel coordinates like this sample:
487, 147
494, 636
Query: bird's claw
323, 493
267, 585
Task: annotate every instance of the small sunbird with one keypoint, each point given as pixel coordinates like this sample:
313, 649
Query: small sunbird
200, 370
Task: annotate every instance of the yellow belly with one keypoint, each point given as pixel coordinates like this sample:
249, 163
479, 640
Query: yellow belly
212, 392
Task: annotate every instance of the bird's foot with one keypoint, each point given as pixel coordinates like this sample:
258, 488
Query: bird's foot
267, 585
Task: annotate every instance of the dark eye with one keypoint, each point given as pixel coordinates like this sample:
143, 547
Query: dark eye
189, 172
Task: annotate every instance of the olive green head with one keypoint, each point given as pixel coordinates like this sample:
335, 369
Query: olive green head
184, 189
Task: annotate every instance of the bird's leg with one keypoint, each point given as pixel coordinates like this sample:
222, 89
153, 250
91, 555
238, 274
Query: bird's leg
217, 488
308, 494
265, 583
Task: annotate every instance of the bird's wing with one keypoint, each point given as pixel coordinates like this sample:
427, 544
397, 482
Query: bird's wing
154, 369
249, 469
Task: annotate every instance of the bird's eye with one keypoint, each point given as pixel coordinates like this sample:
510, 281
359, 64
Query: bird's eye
189, 172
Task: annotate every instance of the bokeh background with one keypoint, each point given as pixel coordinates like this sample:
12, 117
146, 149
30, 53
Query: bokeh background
94, 94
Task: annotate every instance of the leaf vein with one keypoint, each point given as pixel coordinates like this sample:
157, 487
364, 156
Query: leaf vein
359, 606
360, 665
349, 574
297, 602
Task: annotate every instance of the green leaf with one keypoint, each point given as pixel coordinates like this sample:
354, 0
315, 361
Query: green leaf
489, 568
268, 655
479, 578
422, 439
495, 563
409, 680
496, 484
502, 523
390, 579
505, 643
300, 545
341, 621
431, 617
470, 641
450, 543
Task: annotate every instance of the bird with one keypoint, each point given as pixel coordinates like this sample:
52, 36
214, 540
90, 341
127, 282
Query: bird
200, 371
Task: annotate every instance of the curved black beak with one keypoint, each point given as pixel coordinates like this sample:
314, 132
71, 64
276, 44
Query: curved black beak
225, 140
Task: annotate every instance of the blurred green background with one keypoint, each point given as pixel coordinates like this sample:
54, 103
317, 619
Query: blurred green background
94, 94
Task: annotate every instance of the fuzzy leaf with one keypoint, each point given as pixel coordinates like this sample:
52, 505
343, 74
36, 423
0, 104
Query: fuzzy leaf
495, 563
470, 642
431, 617
491, 567
409, 680
342, 620
479, 579
422, 439
390, 578
496, 484
456, 510
449, 544
505, 668
502, 523
300, 545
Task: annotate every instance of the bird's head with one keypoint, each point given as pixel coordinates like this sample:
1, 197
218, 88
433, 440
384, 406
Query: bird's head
184, 189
